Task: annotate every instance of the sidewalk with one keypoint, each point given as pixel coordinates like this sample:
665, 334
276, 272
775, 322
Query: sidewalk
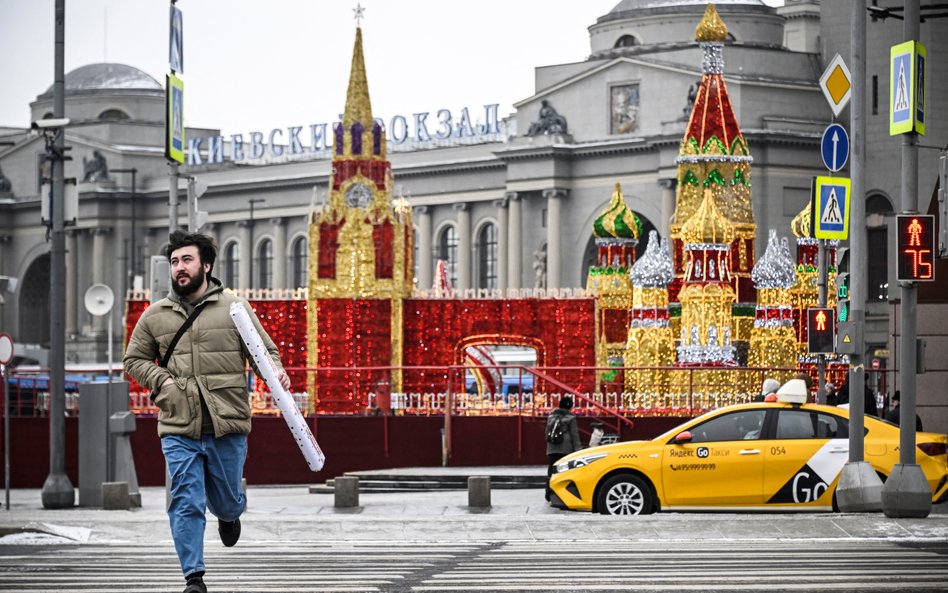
291, 513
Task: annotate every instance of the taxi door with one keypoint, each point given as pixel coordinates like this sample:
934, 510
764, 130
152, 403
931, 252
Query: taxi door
806, 455
723, 465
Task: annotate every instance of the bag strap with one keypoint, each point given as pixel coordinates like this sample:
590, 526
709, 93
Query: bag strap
184, 327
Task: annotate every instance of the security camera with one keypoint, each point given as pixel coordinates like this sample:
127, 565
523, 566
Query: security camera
56, 122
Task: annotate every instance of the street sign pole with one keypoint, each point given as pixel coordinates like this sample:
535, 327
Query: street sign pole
906, 492
859, 488
821, 302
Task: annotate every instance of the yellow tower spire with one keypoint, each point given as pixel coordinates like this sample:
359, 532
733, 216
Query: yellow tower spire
711, 27
358, 105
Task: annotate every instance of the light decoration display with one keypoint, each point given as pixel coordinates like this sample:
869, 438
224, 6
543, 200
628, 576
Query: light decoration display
651, 342
773, 342
617, 231
361, 336
713, 156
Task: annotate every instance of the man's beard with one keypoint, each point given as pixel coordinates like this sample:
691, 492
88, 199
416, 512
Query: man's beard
186, 290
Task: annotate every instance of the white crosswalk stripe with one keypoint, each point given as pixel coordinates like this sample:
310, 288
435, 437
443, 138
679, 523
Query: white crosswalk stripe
867, 565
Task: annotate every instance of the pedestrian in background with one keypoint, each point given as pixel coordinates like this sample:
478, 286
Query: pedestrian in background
201, 395
895, 414
770, 386
562, 436
829, 390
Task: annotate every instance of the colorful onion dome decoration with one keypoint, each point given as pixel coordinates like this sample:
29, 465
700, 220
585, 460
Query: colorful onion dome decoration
706, 294
714, 155
361, 243
773, 341
617, 232
651, 341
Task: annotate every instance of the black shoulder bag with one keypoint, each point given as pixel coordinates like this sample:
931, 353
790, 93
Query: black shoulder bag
174, 341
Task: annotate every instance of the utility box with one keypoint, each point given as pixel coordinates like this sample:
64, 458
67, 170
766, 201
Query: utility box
97, 443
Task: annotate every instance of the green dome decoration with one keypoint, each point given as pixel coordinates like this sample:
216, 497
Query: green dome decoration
617, 220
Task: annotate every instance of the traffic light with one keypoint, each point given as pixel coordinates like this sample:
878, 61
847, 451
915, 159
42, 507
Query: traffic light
842, 284
820, 330
916, 247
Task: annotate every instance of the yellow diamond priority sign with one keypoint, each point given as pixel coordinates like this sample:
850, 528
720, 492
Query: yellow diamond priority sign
836, 83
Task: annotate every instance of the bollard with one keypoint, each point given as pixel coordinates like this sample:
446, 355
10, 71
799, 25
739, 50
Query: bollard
478, 492
346, 489
115, 496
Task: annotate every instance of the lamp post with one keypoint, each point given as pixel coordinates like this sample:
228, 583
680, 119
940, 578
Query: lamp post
252, 201
133, 267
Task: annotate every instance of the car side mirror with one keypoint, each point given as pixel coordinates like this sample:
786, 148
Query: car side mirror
683, 437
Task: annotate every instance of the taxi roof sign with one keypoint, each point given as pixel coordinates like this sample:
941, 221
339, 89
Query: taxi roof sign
836, 83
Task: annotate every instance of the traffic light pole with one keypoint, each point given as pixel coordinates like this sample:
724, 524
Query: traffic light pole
859, 488
906, 493
821, 280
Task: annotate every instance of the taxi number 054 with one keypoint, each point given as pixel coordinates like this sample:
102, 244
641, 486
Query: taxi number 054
778, 451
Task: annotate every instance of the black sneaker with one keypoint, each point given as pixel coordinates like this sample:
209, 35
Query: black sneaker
195, 585
229, 531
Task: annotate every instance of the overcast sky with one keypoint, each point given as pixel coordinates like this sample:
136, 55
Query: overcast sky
262, 65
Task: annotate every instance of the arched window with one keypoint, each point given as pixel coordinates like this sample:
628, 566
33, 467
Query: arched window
113, 115
299, 262
232, 265
264, 264
626, 41
486, 250
448, 251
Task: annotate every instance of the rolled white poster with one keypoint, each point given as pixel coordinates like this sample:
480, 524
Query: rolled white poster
294, 420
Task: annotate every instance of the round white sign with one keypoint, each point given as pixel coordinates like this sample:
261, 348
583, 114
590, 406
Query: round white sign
6, 348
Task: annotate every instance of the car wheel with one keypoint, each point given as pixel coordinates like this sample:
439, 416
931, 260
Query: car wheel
625, 495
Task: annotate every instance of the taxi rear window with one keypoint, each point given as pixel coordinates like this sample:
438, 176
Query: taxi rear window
802, 424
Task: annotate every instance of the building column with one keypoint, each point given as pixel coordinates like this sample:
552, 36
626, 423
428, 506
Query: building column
515, 242
554, 205
668, 206
246, 252
98, 271
5, 240
279, 253
72, 290
464, 246
425, 261
502, 233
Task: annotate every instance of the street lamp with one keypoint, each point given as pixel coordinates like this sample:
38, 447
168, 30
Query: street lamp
252, 201
133, 268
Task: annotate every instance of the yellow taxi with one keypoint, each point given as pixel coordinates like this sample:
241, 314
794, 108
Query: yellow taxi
763, 456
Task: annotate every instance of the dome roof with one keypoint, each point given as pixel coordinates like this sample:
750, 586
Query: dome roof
108, 76
707, 224
626, 5
617, 220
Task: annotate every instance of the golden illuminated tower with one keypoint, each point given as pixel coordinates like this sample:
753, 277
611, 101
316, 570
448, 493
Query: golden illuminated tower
773, 340
651, 342
713, 157
360, 243
617, 232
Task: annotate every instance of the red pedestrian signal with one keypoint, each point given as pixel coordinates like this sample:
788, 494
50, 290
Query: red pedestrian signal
820, 331
916, 247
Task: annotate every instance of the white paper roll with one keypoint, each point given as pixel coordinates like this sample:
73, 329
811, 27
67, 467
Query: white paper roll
294, 420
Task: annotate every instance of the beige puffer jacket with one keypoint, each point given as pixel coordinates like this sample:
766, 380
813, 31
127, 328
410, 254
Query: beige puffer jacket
209, 359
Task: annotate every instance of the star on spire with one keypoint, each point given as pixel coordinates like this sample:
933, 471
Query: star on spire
359, 11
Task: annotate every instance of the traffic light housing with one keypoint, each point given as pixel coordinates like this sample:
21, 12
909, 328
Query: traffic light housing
915, 255
842, 284
820, 330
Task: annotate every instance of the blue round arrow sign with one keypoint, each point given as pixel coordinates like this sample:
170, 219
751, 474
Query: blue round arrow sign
835, 147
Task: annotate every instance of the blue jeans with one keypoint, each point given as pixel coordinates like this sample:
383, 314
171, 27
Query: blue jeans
205, 474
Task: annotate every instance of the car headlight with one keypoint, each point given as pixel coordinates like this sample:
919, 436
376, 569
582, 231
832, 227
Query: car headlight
578, 462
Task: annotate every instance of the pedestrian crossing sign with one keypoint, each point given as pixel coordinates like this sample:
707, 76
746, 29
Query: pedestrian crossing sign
907, 88
830, 208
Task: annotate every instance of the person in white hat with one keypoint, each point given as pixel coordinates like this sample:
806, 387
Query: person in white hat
769, 387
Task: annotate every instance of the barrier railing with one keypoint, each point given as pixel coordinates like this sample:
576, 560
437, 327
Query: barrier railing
432, 390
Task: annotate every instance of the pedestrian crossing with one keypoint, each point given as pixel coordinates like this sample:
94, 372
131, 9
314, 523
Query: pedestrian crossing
254, 566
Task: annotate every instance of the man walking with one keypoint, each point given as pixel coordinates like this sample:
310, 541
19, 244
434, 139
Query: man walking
200, 390
562, 436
